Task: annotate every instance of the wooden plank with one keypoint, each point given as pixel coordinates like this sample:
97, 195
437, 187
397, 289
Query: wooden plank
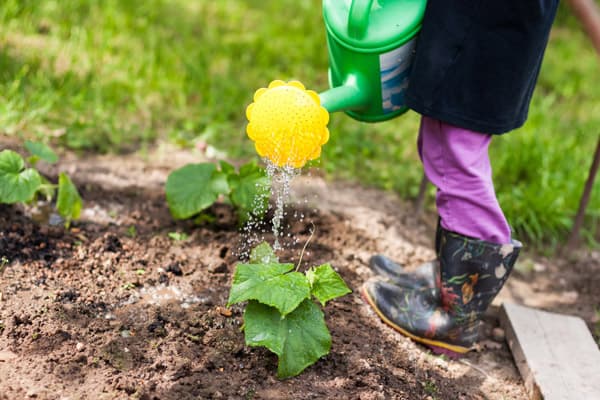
556, 354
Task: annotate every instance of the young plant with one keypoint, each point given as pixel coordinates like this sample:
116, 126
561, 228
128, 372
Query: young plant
22, 184
195, 187
178, 236
281, 314
3, 263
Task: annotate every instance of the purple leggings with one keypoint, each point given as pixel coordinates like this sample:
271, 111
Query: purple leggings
456, 161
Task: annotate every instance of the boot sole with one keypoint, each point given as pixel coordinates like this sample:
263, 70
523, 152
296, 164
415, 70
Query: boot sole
437, 347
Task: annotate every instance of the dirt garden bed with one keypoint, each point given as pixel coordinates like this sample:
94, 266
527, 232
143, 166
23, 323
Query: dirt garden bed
115, 309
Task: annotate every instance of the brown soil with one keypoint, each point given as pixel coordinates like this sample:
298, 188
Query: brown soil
114, 309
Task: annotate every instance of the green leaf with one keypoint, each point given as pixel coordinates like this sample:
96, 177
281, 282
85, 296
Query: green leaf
68, 201
16, 183
299, 339
41, 151
250, 191
226, 167
11, 162
326, 283
193, 188
263, 254
263, 327
269, 284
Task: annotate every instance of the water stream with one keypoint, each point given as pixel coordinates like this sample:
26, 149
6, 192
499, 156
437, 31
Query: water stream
254, 231
281, 180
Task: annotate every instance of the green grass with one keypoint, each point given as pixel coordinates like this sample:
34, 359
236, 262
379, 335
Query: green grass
111, 75
114, 75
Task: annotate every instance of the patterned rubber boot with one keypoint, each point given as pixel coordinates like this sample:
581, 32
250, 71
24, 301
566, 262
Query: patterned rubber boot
423, 276
446, 317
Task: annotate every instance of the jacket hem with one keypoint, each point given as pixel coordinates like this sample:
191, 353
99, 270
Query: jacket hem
467, 122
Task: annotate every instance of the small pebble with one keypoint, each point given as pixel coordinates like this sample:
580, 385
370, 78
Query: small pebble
498, 334
55, 220
537, 267
79, 346
224, 311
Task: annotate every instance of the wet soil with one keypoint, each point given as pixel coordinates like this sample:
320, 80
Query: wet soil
113, 308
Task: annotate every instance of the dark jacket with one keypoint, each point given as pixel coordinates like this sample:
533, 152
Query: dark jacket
477, 61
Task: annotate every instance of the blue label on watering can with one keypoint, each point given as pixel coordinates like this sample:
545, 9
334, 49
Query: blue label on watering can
395, 69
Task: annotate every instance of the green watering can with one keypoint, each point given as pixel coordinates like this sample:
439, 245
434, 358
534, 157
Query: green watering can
371, 45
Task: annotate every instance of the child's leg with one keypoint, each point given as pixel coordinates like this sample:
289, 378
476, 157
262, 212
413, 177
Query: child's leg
456, 162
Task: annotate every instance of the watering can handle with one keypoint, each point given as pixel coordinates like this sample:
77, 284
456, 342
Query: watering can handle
358, 18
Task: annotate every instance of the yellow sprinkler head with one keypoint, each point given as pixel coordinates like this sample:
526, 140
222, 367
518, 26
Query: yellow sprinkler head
287, 123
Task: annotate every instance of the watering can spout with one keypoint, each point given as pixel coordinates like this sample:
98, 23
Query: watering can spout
347, 97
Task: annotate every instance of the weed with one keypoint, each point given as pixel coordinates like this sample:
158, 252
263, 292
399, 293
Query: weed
132, 231
178, 236
3, 263
430, 387
193, 338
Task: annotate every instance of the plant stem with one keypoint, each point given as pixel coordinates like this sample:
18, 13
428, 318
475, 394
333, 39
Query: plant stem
312, 233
